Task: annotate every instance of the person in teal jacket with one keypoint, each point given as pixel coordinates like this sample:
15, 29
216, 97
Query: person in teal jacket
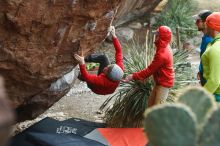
211, 57
206, 39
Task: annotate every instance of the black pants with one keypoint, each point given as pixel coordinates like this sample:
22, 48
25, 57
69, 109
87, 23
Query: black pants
202, 79
102, 59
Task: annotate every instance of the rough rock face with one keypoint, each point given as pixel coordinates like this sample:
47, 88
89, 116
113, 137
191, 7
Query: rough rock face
6, 115
133, 9
38, 39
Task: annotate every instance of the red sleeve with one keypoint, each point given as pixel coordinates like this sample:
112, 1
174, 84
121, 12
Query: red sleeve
119, 53
150, 70
90, 78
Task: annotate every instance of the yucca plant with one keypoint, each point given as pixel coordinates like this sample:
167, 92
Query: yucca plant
131, 99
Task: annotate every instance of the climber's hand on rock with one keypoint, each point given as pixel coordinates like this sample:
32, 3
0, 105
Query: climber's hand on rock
112, 31
80, 59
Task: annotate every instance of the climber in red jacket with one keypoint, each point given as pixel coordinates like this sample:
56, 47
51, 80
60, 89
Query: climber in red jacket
161, 68
109, 75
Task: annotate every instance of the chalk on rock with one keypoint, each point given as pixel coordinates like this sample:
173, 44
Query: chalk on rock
91, 25
65, 81
110, 14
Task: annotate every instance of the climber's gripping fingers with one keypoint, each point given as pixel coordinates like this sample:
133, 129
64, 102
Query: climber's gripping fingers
80, 59
112, 31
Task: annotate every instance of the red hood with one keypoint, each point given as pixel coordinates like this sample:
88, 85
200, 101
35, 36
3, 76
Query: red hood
165, 37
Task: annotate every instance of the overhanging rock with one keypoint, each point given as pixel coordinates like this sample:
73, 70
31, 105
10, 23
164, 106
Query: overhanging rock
38, 39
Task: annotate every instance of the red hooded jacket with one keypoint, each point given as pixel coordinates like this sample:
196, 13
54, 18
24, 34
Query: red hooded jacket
101, 84
162, 65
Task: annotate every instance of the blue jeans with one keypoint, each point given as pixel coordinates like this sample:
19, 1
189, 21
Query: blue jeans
217, 97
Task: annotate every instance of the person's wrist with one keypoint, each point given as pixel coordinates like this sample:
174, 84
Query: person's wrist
132, 77
82, 62
114, 36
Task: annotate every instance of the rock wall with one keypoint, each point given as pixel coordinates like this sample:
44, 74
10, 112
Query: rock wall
130, 10
6, 115
38, 39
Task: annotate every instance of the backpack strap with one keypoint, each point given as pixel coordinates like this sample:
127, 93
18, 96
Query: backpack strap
216, 39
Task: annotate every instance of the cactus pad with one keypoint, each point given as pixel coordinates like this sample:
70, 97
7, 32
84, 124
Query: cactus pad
170, 125
200, 102
211, 131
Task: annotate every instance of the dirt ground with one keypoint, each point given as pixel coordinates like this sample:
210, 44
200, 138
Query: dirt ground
80, 102
213, 5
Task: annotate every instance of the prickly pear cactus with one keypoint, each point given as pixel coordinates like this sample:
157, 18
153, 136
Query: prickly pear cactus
210, 135
171, 125
199, 101
193, 121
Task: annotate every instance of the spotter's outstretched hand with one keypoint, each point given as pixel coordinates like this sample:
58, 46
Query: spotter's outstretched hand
128, 78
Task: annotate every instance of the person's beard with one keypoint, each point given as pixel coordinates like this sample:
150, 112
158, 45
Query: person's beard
200, 29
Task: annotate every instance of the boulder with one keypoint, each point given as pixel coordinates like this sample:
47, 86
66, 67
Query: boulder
131, 10
38, 39
135, 25
37, 43
124, 33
